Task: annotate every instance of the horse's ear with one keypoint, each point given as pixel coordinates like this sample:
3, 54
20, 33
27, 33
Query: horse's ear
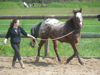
74, 11
81, 10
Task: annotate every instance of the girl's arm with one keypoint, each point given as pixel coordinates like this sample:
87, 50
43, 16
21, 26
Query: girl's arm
7, 36
24, 33
28, 35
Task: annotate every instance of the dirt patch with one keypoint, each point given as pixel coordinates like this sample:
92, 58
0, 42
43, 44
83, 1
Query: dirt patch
50, 66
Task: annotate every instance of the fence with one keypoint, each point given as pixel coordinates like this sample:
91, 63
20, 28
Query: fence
50, 16
44, 16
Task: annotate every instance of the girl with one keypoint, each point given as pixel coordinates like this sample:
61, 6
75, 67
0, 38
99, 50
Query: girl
14, 34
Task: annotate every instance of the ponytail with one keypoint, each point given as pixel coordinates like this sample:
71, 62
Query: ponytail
12, 22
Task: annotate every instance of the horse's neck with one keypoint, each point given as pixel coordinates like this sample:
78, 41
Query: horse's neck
74, 25
72, 22
77, 28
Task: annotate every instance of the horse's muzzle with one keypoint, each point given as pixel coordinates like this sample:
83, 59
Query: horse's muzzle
82, 25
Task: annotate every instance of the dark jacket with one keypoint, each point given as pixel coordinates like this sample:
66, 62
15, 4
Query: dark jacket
15, 38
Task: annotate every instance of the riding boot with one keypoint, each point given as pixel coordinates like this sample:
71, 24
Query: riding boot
21, 63
13, 63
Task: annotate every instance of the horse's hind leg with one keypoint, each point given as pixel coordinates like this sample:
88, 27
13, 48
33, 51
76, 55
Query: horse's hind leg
38, 53
55, 42
40, 45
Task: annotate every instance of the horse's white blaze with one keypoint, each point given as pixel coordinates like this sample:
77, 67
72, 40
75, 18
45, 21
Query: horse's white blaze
79, 15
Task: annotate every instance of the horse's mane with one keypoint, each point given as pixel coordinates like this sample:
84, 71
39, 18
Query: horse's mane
70, 22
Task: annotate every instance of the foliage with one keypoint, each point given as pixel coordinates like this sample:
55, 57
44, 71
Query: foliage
48, 1
16, 5
76, 4
11, 5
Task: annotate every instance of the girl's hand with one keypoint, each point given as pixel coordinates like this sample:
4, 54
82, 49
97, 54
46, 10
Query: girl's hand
5, 43
33, 38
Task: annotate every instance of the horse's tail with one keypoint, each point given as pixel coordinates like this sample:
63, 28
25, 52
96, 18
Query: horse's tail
35, 32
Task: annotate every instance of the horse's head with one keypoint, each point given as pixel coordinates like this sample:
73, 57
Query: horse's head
78, 17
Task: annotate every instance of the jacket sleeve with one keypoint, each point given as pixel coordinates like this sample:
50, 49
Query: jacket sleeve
23, 32
8, 34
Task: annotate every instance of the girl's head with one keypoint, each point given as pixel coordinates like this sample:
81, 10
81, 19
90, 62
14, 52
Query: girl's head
14, 22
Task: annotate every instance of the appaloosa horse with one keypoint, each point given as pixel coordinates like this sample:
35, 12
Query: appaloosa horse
52, 28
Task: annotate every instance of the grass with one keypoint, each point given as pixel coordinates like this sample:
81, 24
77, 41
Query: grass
87, 47
47, 11
13, 8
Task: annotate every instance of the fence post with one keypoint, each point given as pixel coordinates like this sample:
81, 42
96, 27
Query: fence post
46, 49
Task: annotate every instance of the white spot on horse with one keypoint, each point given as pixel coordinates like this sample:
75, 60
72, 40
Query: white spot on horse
48, 22
52, 21
79, 15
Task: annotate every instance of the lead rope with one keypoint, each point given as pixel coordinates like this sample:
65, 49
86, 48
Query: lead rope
58, 37
2, 48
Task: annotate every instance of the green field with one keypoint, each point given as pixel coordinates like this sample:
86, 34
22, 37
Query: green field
87, 47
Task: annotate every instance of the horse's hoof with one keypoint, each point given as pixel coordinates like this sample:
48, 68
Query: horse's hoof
67, 61
82, 63
59, 60
37, 59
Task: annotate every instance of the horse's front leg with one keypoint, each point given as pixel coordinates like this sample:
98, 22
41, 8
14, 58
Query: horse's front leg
55, 42
74, 46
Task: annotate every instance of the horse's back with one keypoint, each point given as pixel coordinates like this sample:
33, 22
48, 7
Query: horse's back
51, 23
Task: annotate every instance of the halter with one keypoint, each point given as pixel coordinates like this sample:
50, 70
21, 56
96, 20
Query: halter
73, 25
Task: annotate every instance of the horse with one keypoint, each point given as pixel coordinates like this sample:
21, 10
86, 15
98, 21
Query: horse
52, 28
